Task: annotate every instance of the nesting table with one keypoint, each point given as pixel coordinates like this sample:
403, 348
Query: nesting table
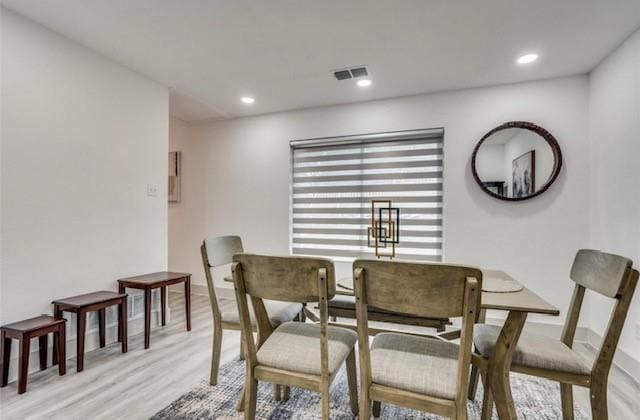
160, 280
24, 331
95, 301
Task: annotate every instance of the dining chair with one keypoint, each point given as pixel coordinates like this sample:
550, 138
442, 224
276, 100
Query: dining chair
422, 373
607, 274
218, 252
295, 354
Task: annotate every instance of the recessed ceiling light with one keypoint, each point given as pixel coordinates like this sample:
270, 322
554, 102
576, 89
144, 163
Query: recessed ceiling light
363, 82
527, 58
247, 100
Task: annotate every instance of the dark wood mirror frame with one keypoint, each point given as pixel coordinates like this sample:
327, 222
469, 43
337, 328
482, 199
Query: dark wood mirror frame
548, 137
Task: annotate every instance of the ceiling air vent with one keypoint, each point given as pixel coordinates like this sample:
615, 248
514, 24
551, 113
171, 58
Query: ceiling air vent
350, 73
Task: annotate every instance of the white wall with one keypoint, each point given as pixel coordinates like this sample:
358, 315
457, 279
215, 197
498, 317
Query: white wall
614, 132
187, 218
81, 139
246, 177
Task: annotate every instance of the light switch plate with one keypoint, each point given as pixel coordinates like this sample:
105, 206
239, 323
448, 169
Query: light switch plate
638, 330
152, 190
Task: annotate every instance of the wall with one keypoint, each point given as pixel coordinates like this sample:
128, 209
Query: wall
81, 139
248, 161
614, 133
187, 218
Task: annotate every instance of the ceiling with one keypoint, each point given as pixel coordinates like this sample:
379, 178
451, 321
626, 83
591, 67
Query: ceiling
282, 52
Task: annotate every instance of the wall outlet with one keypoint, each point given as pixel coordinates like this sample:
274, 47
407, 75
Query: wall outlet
152, 190
637, 330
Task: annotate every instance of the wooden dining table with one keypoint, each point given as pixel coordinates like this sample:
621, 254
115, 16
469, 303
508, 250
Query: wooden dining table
515, 299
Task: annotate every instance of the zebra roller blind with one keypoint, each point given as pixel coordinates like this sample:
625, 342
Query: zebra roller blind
334, 181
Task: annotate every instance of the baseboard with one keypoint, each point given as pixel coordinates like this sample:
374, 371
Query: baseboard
221, 292
135, 325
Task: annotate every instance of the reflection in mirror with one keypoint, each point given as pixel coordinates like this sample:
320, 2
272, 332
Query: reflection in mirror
514, 163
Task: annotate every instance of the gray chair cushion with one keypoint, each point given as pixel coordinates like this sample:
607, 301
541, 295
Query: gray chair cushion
279, 312
423, 365
533, 350
295, 346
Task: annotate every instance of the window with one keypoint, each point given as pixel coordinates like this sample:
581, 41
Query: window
334, 181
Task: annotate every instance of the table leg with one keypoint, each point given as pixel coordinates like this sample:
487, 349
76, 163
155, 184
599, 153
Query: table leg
147, 317
187, 301
61, 349
101, 326
163, 305
57, 313
81, 323
25, 343
5, 349
121, 290
500, 364
43, 343
123, 319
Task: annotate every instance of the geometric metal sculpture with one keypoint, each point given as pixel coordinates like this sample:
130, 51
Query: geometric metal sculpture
384, 232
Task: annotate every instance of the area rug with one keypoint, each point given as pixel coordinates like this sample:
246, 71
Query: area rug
535, 399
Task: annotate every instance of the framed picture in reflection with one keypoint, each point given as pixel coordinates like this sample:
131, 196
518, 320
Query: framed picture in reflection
523, 174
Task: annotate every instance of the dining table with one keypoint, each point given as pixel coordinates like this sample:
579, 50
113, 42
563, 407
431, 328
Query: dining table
500, 292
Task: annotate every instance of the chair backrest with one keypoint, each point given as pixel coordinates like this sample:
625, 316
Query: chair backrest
291, 279
420, 289
294, 279
612, 276
216, 252
599, 271
221, 249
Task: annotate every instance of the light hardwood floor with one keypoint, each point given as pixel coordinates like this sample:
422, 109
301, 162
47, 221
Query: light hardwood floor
138, 384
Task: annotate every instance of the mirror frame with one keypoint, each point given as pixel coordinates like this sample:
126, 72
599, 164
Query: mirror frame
547, 136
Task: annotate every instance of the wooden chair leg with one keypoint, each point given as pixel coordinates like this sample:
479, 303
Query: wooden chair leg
276, 392
365, 402
242, 345
240, 405
487, 399
251, 397
566, 396
25, 342
376, 409
215, 353
325, 402
5, 349
473, 382
43, 343
286, 391
61, 349
352, 379
598, 394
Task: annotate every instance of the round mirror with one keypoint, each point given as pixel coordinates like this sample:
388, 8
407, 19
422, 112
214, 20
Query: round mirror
516, 161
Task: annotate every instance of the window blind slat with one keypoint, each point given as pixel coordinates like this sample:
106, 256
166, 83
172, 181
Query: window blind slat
333, 185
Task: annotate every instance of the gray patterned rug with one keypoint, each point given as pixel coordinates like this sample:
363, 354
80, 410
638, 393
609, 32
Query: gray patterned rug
535, 399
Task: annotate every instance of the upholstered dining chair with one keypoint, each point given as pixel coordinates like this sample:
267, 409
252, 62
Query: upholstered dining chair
607, 274
294, 354
218, 252
421, 373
